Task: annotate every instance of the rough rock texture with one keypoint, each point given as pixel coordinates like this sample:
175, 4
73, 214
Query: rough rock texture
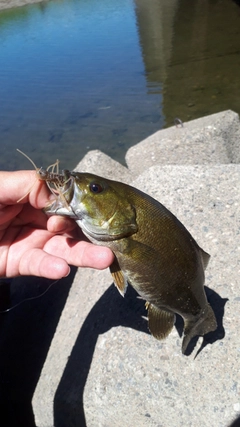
100, 366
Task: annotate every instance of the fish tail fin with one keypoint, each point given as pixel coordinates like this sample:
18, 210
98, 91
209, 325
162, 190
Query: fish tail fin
205, 258
206, 323
160, 322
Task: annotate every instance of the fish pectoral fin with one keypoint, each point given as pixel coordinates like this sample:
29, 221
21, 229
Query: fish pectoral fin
204, 324
119, 279
160, 322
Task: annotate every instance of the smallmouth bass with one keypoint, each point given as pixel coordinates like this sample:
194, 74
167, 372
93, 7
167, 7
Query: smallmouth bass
154, 252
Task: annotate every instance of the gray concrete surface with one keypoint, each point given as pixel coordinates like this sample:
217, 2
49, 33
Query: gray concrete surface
100, 367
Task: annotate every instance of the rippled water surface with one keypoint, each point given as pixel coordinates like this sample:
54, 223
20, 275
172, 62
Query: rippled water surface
77, 75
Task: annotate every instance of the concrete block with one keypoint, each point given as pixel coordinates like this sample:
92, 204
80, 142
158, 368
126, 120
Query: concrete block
214, 139
97, 162
104, 369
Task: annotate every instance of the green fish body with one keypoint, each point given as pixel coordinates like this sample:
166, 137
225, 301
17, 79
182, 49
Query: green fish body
153, 251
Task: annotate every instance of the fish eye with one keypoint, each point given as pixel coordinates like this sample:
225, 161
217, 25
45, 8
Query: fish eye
95, 188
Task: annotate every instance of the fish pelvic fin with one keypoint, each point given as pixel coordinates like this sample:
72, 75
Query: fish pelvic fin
119, 278
160, 322
205, 323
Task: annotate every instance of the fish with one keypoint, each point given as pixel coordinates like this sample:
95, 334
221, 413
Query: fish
154, 252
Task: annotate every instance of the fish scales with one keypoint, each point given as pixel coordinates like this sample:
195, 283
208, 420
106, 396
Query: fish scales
153, 250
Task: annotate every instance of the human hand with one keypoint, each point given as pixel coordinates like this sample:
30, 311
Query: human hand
32, 244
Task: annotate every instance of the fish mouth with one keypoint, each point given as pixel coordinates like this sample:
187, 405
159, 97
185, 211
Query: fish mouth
63, 197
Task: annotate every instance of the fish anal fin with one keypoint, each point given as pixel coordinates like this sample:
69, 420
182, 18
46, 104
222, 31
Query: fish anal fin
119, 279
160, 322
204, 324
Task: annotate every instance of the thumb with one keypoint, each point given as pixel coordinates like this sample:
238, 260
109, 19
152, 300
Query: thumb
22, 187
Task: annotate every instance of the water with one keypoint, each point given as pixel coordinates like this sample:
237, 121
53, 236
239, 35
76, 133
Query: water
77, 75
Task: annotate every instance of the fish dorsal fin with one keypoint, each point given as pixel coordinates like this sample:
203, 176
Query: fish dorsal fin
160, 322
119, 279
205, 258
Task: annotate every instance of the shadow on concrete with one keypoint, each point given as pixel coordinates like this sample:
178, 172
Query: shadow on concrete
26, 334
110, 311
236, 422
25, 337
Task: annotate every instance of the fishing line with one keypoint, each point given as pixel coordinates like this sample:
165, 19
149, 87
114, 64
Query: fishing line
30, 298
